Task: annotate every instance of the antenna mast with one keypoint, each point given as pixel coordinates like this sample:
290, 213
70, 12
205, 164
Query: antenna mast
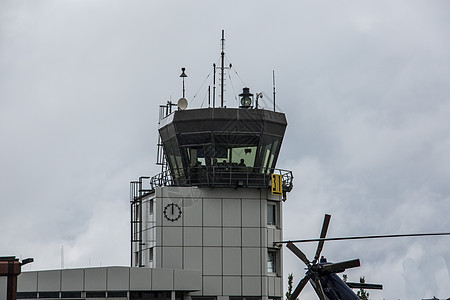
222, 69
273, 76
214, 86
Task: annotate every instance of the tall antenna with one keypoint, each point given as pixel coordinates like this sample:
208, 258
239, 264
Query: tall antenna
273, 76
222, 69
214, 86
62, 257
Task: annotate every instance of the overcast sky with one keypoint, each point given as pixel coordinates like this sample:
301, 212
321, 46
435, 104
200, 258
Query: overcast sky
365, 86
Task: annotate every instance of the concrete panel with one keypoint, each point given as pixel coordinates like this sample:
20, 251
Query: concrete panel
264, 287
271, 197
212, 285
159, 235
140, 279
27, 282
172, 236
196, 293
251, 286
212, 236
192, 211
232, 193
212, 212
277, 235
172, 257
271, 285
251, 261
264, 232
270, 239
251, 237
157, 258
72, 280
231, 237
3, 288
95, 279
150, 233
49, 281
186, 280
162, 279
232, 286
251, 214
232, 212
232, 261
192, 258
193, 236
118, 279
278, 286
158, 211
212, 261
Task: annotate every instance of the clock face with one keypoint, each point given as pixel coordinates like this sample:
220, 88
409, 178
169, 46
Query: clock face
172, 212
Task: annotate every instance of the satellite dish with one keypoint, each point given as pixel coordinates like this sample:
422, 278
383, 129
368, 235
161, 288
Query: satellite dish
182, 103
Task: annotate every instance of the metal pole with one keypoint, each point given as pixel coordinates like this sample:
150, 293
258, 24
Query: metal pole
222, 70
214, 86
273, 76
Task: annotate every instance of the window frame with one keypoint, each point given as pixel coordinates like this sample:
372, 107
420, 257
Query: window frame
275, 216
274, 253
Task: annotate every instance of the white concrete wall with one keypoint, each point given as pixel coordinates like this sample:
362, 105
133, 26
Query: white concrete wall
221, 232
109, 279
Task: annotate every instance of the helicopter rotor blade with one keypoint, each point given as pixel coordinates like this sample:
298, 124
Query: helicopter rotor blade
323, 233
341, 266
318, 288
364, 237
366, 286
299, 253
299, 287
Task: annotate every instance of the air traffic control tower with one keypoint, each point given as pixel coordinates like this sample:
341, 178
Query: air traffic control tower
216, 207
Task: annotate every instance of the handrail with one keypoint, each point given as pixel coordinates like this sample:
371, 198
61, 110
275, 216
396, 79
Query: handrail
220, 176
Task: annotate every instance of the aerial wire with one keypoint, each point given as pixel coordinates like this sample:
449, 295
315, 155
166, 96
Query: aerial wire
201, 86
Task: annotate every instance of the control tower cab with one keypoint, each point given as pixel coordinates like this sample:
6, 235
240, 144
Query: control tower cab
222, 147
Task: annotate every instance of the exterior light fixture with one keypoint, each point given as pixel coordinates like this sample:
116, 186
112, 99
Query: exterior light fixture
246, 100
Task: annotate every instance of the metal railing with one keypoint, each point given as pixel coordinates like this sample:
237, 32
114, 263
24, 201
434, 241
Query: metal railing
220, 176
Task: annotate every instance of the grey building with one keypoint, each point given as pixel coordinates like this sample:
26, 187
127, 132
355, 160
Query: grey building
204, 228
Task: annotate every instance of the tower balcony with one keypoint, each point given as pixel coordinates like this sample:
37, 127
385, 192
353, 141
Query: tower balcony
221, 175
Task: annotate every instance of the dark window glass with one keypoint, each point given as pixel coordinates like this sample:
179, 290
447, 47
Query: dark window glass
48, 294
26, 295
117, 294
271, 211
147, 295
150, 254
205, 298
271, 261
151, 206
95, 294
70, 294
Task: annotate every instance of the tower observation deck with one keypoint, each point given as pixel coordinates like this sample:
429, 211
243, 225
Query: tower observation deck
222, 147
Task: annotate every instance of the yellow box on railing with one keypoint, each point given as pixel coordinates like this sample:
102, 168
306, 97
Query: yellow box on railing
277, 184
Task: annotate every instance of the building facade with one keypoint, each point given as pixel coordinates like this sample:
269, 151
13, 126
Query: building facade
205, 227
